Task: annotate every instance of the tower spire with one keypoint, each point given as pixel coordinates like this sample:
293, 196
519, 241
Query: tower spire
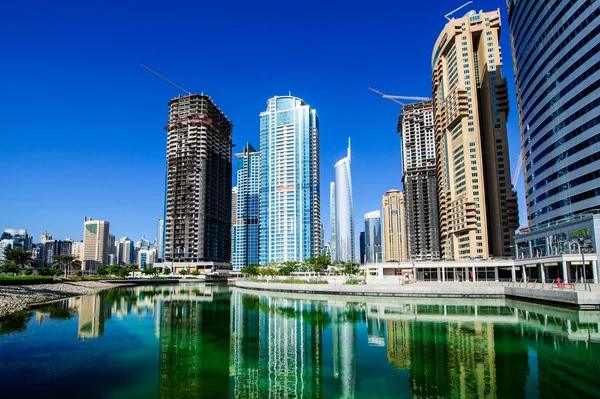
349, 159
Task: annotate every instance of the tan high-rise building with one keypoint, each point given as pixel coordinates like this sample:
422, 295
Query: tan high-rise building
478, 207
394, 227
95, 244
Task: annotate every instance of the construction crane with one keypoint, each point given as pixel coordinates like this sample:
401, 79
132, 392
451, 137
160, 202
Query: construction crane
396, 98
459, 8
517, 173
166, 80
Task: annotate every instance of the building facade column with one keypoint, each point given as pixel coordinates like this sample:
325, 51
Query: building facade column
524, 272
443, 274
542, 272
474, 275
565, 274
513, 272
594, 271
496, 278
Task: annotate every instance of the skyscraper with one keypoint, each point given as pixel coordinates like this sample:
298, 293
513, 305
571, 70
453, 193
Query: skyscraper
160, 242
332, 222
95, 244
198, 209
344, 210
246, 228
478, 208
394, 227
419, 180
290, 204
555, 57
362, 250
125, 251
55, 247
234, 191
373, 248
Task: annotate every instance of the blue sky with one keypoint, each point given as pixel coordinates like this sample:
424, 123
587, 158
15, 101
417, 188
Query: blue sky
82, 124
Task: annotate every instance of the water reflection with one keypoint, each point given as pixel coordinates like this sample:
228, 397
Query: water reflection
208, 341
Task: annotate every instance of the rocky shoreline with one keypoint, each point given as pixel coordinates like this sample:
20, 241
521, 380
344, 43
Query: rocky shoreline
14, 298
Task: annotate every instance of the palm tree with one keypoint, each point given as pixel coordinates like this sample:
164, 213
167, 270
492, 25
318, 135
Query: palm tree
19, 256
64, 260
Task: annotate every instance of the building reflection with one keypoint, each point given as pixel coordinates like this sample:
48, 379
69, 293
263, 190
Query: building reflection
194, 343
277, 348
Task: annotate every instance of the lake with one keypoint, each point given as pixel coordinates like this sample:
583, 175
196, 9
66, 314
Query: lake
210, 341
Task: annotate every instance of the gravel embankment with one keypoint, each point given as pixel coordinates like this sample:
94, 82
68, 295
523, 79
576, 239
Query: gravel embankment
18, 297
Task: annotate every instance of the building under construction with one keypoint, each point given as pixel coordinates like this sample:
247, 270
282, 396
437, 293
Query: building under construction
198, 197
419, 179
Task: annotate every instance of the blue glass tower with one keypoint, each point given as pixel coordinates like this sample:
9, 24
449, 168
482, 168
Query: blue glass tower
290, 205
246, 229
556, 54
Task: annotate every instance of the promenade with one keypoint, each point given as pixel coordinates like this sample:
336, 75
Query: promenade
575, 297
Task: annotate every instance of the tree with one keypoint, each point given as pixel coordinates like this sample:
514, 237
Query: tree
64, 260
183, 272
101, 271
195, 273
116, 270
56, 271
79, 273
287, 268
166, 271
131, 268
251, 270
19, 257
351, 268
8, 267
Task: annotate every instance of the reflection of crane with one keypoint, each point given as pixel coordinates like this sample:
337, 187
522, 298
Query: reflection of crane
396, 98
452, 12
517, 173
166, 80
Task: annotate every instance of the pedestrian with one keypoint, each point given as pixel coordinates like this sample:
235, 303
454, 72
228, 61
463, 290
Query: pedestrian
558, 282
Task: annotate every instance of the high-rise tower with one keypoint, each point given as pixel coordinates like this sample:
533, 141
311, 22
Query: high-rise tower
344, 210
95, 244
332, 222
373, 242
246, 229
478, 207
290, 204
556, 62
394, 227
198, 209
419, 180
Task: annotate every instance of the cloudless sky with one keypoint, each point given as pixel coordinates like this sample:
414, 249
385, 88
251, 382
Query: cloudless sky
81, 130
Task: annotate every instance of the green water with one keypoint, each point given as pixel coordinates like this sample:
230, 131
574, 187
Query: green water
197, 341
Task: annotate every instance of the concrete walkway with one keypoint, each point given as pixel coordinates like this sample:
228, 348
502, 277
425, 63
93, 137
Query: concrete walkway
565, 297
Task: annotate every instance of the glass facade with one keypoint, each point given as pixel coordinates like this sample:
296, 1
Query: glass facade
246, 228
556, 56
373, 242
290, 221
344, 211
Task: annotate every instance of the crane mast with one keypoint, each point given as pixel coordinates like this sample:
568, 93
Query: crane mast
166, 80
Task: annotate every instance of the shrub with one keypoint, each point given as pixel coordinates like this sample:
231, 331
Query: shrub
28, 272
353, 282
79, 273
195, 273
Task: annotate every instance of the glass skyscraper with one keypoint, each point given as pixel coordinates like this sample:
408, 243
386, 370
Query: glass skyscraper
373, 242
556, 56
246, 228
344, 210
290, 205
